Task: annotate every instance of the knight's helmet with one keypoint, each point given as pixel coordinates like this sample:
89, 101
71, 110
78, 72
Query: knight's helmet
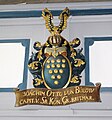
56, 64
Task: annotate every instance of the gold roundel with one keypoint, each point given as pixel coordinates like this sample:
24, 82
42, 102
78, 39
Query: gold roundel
63, 60
48, 66
56, 82
60, 71
50, 71
63, 65
58, 65
52, 61
58, 76
55, 71
58, 60
48, 61
52, 77
53, 65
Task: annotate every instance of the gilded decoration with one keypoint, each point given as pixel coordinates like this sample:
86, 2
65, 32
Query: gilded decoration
56, 68
57, 63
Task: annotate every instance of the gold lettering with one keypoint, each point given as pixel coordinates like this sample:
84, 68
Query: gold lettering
56, 93
68, 92
73, 99
26, 101
84, 90
65, 100
21, 102
51, 101
59, 93
41, 93
44, 100
33, 93
28, 93
36, 100
49, 93
58, 102
77, 90
57, 97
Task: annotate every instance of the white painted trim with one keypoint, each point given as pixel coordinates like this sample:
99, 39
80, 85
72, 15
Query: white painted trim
22, 21
56, 6
56, 113
40, 20
93, 18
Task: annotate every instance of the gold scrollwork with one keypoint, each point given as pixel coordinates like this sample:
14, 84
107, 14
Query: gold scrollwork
39, 56
76, 41
38, 44
73, 54
33, 65
65, 43
38, 81
74, 79
78, 62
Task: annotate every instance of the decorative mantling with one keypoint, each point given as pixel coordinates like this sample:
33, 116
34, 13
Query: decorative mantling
56, 64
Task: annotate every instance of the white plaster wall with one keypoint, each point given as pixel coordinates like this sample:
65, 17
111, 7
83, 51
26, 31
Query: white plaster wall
34, 29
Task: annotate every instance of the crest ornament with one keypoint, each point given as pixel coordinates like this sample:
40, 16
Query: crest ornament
56, 64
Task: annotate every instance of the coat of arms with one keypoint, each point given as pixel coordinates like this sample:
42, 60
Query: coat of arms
57, 64
56, 68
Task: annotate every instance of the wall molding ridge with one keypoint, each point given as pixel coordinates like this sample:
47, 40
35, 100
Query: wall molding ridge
56, 113
56, 6
40, 21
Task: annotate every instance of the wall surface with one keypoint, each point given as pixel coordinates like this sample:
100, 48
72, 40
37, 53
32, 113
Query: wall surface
33, 28
5, 2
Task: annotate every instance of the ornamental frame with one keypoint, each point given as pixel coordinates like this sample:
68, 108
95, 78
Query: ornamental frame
89, 41
26, 44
